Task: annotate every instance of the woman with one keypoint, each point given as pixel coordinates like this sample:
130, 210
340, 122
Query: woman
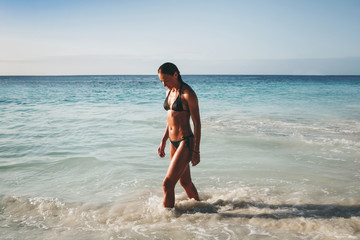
180, 103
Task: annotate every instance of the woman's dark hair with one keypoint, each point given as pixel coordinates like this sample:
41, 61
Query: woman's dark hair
170, 69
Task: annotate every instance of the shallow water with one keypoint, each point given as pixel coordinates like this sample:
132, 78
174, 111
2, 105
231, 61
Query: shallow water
279, 158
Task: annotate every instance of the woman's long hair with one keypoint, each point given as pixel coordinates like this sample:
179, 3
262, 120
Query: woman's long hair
170, 68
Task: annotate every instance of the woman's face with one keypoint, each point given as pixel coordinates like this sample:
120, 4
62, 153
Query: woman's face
168, 80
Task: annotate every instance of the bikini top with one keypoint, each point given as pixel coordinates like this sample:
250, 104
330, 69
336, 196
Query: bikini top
177, 104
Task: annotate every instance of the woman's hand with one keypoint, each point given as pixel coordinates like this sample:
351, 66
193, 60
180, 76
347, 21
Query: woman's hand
195, 158
161, 149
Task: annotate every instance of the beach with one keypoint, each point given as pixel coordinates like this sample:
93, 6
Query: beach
279, 158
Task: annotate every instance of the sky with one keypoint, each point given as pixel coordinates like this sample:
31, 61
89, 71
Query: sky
71, 37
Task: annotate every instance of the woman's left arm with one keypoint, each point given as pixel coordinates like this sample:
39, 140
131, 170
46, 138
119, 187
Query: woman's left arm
195, 116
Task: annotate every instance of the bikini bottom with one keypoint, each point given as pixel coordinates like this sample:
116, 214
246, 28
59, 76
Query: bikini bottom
176, 143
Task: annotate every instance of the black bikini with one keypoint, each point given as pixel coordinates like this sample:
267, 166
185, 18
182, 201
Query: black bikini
176, 143
177, 106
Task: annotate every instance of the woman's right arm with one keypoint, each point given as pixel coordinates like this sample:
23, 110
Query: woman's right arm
161, 149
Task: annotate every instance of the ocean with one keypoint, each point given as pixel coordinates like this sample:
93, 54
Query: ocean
280, 158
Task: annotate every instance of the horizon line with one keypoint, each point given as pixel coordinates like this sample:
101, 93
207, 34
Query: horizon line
194, 74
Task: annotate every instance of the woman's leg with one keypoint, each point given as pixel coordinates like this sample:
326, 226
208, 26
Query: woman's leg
178, 164
185, 179
187, 184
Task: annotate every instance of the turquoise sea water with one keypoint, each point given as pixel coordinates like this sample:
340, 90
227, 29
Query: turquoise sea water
280, 158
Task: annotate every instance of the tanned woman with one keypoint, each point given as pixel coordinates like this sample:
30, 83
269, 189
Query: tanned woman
181, 104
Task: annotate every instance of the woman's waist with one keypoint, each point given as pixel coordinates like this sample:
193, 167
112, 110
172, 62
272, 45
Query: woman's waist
181, 138
178, 134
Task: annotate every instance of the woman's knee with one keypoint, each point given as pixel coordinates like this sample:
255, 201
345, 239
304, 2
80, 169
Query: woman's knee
185, 183
168, 184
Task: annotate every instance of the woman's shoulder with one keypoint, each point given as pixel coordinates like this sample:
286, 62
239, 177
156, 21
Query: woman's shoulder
188, 91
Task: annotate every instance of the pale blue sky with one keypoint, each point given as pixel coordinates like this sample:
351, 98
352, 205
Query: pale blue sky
202, 37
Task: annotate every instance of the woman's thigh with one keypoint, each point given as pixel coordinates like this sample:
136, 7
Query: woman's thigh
179, 163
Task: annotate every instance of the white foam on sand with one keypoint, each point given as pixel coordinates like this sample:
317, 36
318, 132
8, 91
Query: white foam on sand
243, 213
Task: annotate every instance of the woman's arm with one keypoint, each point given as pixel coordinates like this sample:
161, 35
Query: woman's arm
195, 117
161, 149
166, 134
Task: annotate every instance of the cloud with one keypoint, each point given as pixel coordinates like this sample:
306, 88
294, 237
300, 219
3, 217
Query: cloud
127, 64
311, 66
78, 65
